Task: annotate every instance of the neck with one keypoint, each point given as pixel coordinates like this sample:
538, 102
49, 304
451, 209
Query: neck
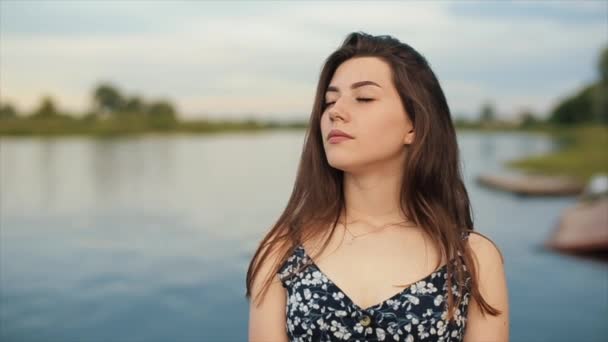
373, 197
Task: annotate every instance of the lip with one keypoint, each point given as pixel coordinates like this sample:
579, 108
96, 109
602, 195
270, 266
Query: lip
337, 138
338, 134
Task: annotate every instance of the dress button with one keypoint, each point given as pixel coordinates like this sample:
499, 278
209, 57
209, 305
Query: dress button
365, 321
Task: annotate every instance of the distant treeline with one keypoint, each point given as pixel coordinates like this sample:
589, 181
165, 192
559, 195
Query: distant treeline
107, 103
114, 112
587, 106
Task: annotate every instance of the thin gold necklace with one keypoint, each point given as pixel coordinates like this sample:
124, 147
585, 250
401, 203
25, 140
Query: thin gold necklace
353, 236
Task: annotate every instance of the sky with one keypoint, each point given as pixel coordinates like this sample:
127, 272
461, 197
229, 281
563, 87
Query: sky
262, 59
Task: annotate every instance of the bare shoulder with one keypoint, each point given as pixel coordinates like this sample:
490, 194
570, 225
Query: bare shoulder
492, 282
267, 313
266, 265
485, 250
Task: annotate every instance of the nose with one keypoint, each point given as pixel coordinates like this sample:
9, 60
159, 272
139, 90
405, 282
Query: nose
334, 113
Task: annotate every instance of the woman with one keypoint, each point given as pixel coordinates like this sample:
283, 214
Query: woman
377, 240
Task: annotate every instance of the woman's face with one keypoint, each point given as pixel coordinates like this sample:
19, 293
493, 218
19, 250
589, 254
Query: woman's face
371, 112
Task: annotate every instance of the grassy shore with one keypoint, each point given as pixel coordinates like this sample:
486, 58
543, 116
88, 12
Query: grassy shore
581, 152
65, 126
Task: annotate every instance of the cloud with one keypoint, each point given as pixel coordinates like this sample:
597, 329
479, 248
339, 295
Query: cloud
265, 57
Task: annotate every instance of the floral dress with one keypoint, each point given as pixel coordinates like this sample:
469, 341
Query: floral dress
318, 310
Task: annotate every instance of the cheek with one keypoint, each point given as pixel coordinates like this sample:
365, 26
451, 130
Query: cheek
324, 120
379, 143
383, 137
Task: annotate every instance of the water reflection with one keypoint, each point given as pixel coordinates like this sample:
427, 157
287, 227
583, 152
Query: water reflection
125, 167
148, 238
487, 147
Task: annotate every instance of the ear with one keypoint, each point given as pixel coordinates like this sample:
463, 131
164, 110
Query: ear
409, 137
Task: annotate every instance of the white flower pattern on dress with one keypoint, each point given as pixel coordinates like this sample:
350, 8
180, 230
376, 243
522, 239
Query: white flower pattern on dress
317, 309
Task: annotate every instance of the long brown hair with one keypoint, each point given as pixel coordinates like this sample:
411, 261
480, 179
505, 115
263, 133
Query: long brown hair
433, 194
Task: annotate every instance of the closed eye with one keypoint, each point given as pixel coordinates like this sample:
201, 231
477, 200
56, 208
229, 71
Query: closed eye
358, 99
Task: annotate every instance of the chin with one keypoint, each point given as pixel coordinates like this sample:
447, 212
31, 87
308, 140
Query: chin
340, 163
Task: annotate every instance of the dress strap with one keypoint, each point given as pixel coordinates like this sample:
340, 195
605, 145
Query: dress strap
291, 265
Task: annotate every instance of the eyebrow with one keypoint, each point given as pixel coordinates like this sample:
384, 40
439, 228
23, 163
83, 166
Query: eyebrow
353, 86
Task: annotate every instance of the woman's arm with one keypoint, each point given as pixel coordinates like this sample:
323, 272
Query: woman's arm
493, 287
267, 319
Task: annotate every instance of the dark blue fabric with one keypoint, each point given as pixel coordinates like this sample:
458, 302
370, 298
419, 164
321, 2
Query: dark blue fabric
318, 310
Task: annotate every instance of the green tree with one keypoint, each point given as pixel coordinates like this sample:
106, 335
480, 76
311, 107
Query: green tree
590, 104
107, 99
600, 104
600, 95
488, 113
575, 109
161, 114
7, 111
134, 104
528, 118
46, 109
603, 66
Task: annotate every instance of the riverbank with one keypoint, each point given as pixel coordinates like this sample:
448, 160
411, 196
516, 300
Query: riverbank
580, 150
132, 125
533, 185
581, 153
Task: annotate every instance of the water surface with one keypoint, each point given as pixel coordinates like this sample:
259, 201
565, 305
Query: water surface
148, 238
